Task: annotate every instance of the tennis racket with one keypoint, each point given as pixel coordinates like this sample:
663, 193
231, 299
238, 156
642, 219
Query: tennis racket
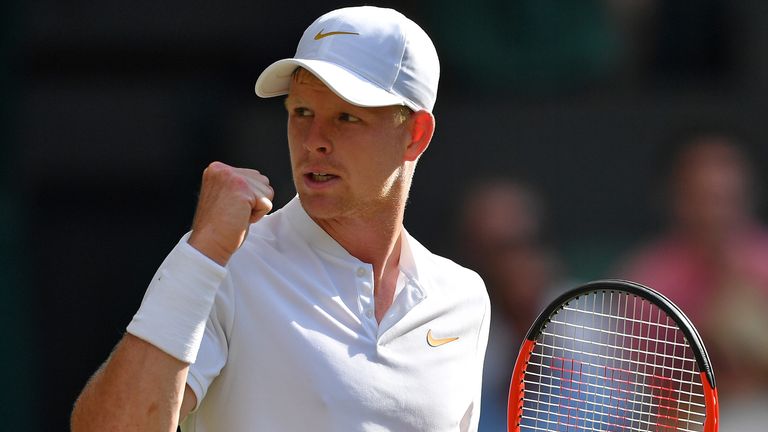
612, 355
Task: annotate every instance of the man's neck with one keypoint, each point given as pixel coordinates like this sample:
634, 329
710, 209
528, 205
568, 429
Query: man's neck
376, 241
369, 239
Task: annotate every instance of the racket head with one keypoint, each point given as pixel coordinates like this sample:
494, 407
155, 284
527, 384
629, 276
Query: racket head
612, 355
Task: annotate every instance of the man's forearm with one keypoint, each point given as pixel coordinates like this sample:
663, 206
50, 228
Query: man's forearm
139, 388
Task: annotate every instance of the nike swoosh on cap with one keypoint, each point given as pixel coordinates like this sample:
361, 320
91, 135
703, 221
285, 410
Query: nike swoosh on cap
436, 342
321, 35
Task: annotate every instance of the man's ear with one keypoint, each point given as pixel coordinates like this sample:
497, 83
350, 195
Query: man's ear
422, 124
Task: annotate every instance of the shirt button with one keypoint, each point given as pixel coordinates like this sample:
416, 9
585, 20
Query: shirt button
360, 272
369, 313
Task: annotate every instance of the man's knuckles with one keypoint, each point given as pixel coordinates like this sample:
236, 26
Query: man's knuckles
225, 179
227, 186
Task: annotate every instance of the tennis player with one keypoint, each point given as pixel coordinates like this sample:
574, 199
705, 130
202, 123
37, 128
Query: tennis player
325, 315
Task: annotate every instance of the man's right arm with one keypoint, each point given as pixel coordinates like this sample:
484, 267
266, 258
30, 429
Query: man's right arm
142, 387
139, 388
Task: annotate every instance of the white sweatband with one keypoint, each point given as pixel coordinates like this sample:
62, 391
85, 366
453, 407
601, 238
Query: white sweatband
177, 303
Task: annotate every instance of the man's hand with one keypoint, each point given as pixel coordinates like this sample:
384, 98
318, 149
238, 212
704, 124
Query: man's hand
230, 200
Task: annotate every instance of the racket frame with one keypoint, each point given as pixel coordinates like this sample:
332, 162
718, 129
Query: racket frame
517, 386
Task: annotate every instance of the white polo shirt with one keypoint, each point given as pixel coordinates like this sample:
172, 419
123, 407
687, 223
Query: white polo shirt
292, 342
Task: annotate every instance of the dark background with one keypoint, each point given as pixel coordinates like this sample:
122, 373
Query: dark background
111, 110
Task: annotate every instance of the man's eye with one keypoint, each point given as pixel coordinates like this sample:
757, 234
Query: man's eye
346, 117
302, 112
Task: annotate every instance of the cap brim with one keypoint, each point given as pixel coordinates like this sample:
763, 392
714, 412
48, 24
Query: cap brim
276, 79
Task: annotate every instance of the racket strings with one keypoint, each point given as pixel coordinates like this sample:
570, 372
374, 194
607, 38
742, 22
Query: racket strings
612, 362
628, 382
687, 373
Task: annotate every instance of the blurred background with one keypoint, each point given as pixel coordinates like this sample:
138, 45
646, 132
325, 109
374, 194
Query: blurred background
572, 124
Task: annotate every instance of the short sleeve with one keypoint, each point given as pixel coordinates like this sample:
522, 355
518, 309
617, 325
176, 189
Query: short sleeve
215, 345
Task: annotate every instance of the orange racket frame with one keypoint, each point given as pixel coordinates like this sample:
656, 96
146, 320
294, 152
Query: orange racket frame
517, 386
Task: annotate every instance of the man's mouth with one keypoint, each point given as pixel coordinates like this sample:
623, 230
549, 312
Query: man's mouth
320, 177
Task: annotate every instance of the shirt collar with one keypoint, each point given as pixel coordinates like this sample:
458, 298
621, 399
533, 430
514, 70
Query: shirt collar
311, 232
411, 252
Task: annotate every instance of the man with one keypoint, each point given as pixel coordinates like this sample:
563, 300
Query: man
325, 315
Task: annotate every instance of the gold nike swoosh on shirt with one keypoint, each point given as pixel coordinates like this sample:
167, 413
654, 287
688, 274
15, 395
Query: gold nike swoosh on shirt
436, 342
321, 35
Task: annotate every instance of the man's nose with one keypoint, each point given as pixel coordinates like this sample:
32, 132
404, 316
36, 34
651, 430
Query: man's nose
318, 137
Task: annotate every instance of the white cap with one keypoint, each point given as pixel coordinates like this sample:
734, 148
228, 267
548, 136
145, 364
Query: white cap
368, 56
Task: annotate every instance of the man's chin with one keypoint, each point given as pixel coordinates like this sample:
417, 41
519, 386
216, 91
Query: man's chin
319, 207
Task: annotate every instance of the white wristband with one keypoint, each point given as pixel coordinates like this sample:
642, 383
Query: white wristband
177, 303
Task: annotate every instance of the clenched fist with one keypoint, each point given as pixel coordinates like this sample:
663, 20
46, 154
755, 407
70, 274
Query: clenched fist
230, 200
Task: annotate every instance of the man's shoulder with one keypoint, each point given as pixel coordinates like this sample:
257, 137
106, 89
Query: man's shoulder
442, 268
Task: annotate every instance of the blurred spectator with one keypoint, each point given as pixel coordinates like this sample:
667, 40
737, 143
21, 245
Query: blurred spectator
501, 237
713, 258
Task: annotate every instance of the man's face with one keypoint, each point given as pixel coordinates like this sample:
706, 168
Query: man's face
347, 161
712, 197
